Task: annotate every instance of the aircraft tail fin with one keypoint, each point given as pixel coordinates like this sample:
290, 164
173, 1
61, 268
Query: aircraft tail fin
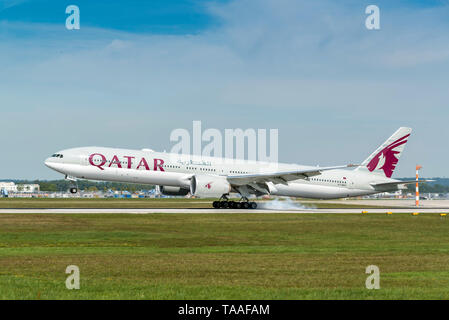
383, 161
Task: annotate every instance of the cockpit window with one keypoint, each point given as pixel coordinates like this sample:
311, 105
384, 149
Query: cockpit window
57, 155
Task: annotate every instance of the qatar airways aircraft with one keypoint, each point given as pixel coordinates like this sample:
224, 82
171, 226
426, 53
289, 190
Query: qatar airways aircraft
210, 177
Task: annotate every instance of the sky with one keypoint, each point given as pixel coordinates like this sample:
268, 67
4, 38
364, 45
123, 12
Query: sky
137, 70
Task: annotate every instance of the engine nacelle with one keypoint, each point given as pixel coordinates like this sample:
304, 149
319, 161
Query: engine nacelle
173, 191
205, 186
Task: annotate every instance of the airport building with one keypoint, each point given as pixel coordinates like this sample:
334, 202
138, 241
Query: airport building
28, 188
11, 187
8, 186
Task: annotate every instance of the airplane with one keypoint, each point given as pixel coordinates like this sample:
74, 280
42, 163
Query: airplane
213, 177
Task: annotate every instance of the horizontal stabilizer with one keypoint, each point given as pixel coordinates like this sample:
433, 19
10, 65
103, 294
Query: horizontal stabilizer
395, 183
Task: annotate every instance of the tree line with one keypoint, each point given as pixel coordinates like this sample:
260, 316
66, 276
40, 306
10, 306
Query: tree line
440, 185
85, 185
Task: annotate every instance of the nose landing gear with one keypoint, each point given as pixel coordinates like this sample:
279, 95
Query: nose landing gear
73, 185
73, 190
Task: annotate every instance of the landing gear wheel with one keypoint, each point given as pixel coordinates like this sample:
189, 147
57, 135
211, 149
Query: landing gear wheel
216, 204
238, 205
231, 204
73, 190
253, 205
245, 205
224, 204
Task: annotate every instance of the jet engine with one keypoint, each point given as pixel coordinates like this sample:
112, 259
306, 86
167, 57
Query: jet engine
173, 191
205, 186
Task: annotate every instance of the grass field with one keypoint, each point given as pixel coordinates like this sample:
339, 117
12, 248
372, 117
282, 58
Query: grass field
224, 256
112, 203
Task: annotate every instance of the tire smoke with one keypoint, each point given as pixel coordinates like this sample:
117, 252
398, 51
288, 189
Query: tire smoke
285, 204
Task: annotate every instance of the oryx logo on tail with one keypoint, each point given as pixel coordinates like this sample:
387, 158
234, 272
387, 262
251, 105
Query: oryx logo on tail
383, 161
386, 159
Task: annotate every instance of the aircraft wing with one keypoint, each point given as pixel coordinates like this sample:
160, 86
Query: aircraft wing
280, 177
395, 183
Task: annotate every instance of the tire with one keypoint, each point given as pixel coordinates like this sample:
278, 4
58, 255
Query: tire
245, 205
216, 204
237, 205
231, 204
224, 204
73, 190
253, 205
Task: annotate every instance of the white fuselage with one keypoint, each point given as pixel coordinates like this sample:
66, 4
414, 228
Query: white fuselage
167, 169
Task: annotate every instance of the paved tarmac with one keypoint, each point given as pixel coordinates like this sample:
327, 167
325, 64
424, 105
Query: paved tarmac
392, 203
212, 211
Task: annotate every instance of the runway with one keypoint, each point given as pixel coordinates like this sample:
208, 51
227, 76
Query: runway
216, 211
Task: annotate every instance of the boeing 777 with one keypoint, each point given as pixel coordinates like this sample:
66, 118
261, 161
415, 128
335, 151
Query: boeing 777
210, 177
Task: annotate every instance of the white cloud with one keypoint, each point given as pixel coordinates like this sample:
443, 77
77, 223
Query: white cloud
5, 4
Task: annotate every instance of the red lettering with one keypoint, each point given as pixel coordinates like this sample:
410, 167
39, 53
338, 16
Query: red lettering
144, 163
158, 165
129, 161
96, 164
116, 161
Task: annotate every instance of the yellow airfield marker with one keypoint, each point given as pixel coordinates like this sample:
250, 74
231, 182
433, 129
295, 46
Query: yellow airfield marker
364, 211
443, 215
415, 213
389, 212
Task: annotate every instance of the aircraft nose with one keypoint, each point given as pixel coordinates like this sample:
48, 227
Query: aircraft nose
48, 162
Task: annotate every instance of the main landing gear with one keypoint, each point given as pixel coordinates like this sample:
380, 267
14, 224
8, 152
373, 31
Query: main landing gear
225, 203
